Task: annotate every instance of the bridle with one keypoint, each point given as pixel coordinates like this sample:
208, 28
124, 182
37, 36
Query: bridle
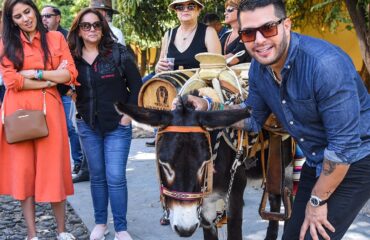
208, 173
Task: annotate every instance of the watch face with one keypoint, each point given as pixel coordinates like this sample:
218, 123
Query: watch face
314, 201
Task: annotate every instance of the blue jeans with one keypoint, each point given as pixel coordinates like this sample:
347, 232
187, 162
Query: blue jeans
107, 157
148, 77
74, 140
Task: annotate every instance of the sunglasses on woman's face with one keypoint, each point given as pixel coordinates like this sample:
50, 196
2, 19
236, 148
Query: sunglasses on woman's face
86, 26
267, 30
189, 7
229, 10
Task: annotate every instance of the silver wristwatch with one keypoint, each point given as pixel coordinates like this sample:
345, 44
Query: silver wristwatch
315, 201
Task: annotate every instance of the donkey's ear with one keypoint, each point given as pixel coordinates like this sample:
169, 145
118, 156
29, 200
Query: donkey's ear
222, 119
152, 117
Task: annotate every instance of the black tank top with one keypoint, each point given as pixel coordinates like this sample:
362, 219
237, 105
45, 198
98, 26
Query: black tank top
187, 58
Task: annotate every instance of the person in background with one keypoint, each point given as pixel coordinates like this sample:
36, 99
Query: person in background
213, 20
230, 41
32, 62
105, 8
186, 40
325, 107
105, 135
51, 17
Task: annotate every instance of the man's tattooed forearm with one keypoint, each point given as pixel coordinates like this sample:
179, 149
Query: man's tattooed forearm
329, 167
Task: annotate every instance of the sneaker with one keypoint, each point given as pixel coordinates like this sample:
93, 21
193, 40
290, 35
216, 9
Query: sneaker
82, 176
34, 238
65, 236
76, 168
150, 144
123, 235
99, 232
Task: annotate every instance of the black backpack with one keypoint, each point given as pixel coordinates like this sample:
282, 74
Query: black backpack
118, 52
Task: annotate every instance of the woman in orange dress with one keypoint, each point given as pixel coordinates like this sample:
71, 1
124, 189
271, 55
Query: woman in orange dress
33, 59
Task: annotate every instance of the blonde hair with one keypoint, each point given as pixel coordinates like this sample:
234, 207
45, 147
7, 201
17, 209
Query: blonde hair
232, 3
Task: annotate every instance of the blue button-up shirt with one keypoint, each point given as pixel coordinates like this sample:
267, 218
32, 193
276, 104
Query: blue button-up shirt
321, 101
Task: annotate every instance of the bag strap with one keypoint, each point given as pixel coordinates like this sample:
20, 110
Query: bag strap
117, 58
43, 106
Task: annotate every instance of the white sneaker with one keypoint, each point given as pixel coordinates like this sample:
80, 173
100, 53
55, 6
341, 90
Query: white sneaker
64, 236
123, 235
34, 238
99, 232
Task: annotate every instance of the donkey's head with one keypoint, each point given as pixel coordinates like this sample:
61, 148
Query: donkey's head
183, 154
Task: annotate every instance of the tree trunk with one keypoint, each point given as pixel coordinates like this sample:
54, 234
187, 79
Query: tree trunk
358, 16
365, 76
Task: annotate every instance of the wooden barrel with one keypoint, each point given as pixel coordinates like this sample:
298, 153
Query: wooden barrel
159, 92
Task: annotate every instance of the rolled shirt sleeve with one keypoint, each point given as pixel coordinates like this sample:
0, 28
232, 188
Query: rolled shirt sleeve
12, 79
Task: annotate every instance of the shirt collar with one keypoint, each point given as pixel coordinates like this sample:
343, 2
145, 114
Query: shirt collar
292, 51
24, 38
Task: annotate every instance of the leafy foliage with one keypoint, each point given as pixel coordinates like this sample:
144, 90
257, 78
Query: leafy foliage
323, 15
69, 8
145, 21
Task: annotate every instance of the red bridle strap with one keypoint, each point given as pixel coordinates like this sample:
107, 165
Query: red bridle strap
183, 196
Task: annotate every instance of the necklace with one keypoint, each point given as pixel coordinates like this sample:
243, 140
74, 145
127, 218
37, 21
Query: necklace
186, 37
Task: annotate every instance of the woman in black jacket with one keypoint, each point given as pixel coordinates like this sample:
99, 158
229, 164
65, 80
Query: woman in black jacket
105, 135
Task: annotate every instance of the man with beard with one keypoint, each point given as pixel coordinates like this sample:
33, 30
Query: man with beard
315, 92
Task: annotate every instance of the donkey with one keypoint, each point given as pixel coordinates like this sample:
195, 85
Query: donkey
183, 155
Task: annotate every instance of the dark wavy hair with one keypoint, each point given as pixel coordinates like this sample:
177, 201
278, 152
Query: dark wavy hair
11, 38
76, 43
250, 5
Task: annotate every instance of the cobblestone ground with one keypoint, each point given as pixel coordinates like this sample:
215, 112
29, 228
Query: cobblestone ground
13, 226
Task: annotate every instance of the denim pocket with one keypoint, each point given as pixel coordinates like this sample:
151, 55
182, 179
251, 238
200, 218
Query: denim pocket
305, 110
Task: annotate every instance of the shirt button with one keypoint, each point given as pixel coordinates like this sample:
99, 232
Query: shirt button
313, 154
291, 122
302, 139
283, 102
288, 66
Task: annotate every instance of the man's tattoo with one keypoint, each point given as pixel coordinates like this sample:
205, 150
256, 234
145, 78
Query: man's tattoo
329, 166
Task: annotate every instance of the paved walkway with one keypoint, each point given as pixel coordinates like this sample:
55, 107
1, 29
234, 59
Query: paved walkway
144, 208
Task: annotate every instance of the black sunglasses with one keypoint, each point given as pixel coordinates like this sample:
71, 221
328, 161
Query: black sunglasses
86, 26
269, 29
48, 15
229, 10
181, 7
